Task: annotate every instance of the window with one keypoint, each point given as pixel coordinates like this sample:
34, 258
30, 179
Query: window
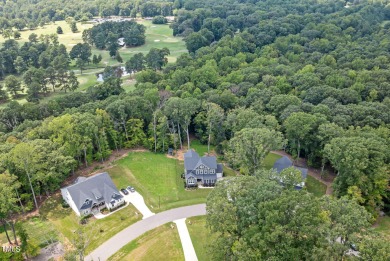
212, 171
197, 172
191, 181
201, 171
205, 171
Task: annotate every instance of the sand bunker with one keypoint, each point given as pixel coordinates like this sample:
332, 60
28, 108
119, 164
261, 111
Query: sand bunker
157, 40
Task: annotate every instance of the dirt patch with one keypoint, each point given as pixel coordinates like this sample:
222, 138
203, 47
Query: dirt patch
53, 251
315, 173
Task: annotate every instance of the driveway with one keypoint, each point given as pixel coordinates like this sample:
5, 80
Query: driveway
114, 244
138, 201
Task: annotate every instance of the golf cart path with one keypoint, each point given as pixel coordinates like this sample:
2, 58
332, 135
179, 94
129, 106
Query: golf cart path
186, 243
115, 243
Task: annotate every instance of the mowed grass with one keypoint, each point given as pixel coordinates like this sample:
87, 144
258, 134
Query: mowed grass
157, 36
65, 221
200, 148
68, 38
162, 243
314, 186
157, 179
201, 237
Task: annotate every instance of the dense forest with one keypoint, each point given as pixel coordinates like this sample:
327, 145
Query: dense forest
310, 77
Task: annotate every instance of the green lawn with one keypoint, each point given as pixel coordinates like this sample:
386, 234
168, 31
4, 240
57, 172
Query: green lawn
200, 148
314, 186
383, 226
162, 243
66, 222
201, 238
270, 159
158, 180
157, 36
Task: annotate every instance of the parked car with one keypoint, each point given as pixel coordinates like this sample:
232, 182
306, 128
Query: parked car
124, 191
131, 189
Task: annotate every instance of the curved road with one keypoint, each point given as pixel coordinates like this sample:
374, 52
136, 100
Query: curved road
111, 246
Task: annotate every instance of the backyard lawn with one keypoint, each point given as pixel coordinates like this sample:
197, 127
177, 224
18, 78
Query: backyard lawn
383, 226
162, 243
314, 186
158, 180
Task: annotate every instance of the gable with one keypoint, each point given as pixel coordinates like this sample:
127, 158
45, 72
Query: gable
95, 189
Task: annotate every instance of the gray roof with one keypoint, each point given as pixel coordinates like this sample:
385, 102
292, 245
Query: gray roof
284, 163
97, 188
192, 160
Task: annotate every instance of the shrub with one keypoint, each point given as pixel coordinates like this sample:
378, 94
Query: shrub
159, 20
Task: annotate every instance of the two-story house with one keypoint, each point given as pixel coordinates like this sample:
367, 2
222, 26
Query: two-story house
204, 170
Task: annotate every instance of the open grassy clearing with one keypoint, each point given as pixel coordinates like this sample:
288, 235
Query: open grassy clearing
162, 243
158, 180
157, 36
314, 186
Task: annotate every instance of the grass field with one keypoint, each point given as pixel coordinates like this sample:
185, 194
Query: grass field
157, 36
201, 238
162, 243
158, 180
314, 186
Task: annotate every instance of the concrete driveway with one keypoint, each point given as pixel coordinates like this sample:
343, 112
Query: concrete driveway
114, 244
138, 201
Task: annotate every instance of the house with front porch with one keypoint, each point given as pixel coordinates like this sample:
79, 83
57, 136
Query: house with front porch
91, 194
201, 170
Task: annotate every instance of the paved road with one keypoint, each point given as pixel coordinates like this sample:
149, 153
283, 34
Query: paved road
111, 246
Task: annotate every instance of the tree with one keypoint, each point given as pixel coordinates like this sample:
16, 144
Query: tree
17, 35
80, 63
118, 57
300, 129
135, 63
257, 219
7, 33
215, 119
33, 38
13, 85
194, 41
73, 27
249, 147
156, 58
59, 30
359, 162
3, 95
23, 156
8, 200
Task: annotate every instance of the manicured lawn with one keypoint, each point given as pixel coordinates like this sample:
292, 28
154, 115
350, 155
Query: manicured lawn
158, 180
68, 38
162, 243
201, 238
157, 36
314, 186
66, 222
270, 159
200, 148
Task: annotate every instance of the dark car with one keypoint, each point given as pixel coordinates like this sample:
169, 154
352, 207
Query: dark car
131, 189
124, 191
